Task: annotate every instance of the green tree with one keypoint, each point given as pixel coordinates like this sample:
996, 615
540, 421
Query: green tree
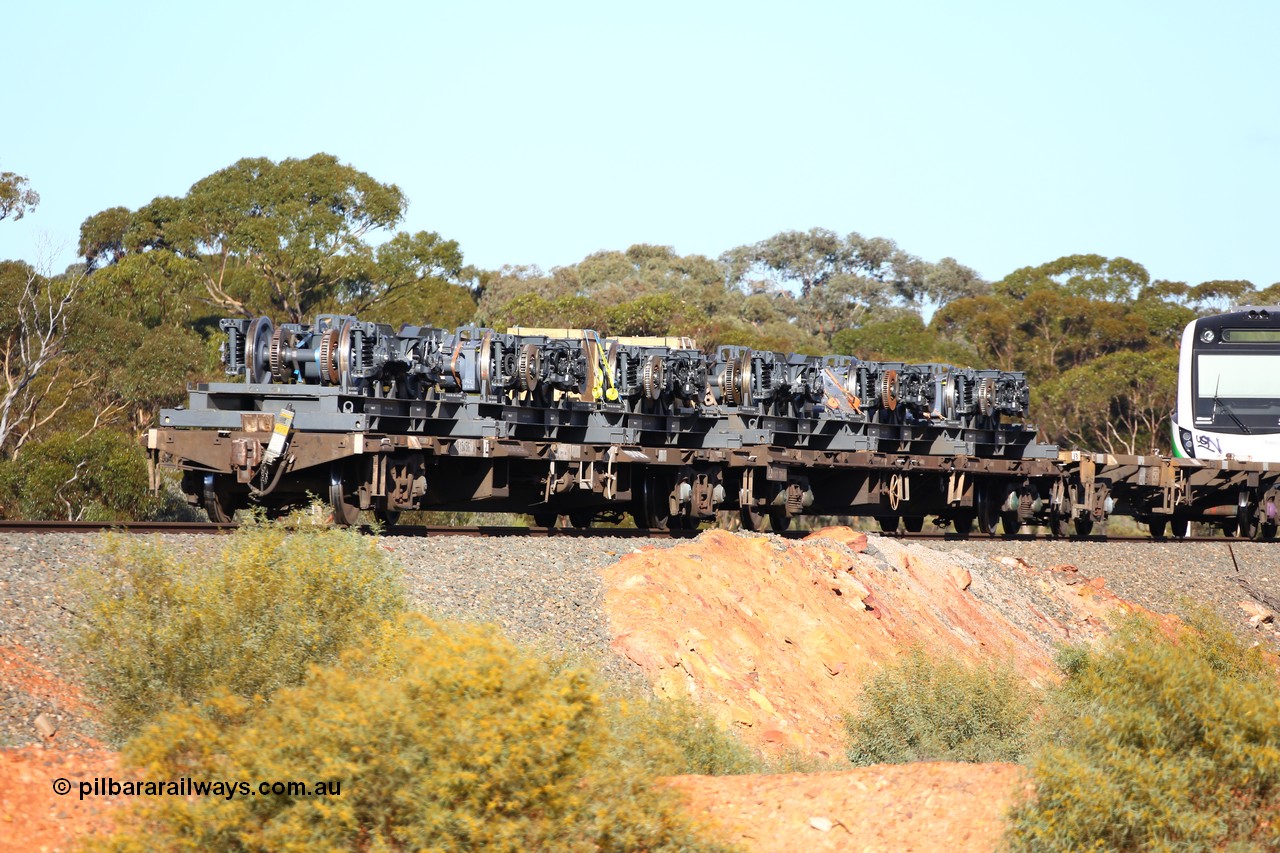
1214, 297
1163, 306
285, 239
35, 324
1087, 276
645, 287
1119, 402
413, 279
99, 476
899, 336
812, 260
102, 236
1052, 317
17, 199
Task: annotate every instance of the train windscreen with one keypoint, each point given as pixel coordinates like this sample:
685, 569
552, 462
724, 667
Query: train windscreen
1238, 376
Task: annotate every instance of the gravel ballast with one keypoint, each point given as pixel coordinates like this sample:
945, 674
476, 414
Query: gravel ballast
547, 592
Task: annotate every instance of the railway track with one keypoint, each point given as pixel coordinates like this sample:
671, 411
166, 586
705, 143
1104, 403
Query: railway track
182, 527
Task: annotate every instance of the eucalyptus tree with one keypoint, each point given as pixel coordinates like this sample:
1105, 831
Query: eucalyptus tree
16, 196
284, 239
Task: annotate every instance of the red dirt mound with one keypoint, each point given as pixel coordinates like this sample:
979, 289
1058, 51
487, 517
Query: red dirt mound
885, 809
775, 637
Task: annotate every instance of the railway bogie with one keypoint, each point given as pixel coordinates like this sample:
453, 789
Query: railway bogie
373, 419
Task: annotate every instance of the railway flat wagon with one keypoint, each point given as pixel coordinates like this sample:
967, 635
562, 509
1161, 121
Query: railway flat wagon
567, 423
387, 421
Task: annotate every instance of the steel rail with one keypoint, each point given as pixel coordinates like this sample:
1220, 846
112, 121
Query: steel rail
497, 531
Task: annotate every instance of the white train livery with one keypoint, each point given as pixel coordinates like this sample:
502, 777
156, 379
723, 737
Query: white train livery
1229, 387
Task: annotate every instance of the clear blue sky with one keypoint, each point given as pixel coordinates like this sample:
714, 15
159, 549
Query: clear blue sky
1001, 134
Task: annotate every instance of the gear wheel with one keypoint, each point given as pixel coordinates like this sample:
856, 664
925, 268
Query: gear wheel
889, 389
329, 357
729, 384
528, 366
744, 379
275, 356
653, 377
985, 394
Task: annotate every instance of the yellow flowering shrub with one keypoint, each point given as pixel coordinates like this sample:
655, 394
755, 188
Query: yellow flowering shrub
160, 631
1159, 744
459, 741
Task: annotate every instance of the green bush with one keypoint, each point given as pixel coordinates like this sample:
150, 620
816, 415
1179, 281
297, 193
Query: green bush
660, 737
101, 476
459, 741
1161, 744
160, 630
926, 709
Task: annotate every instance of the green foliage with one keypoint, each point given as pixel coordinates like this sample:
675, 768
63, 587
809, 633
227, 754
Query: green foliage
564, 312
458, 740
899, 338
924, 708
286, 239
1119, 401
1160, 744
102, 236
651, 314
844, 276
160, 630
98, 476
659, 737
16, 196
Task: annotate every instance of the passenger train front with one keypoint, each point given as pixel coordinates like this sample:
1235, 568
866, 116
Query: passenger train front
1229, 387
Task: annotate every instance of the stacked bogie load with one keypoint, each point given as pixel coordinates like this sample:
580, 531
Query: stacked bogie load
421, 362
569, 423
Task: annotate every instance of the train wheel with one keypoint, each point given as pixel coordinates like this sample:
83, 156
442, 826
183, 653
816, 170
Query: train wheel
986, 510
652, 510
1059, 525
913, 523
581, 520
962, 524
1084, 526
545, 519
1265, 530
387, 517
1246, 522
752, 519
888, 523
1230, 528
1179, 527
779, 520
1157, 525
1010, 523
346, 508
216, 498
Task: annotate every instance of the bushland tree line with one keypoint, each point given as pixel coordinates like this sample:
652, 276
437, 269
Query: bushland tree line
90, 354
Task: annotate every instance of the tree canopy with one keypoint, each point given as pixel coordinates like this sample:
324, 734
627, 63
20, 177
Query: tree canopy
16, 196
286, 239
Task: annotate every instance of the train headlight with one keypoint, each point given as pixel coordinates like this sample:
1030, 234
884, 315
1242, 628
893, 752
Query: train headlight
1207, 336
1188, 445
